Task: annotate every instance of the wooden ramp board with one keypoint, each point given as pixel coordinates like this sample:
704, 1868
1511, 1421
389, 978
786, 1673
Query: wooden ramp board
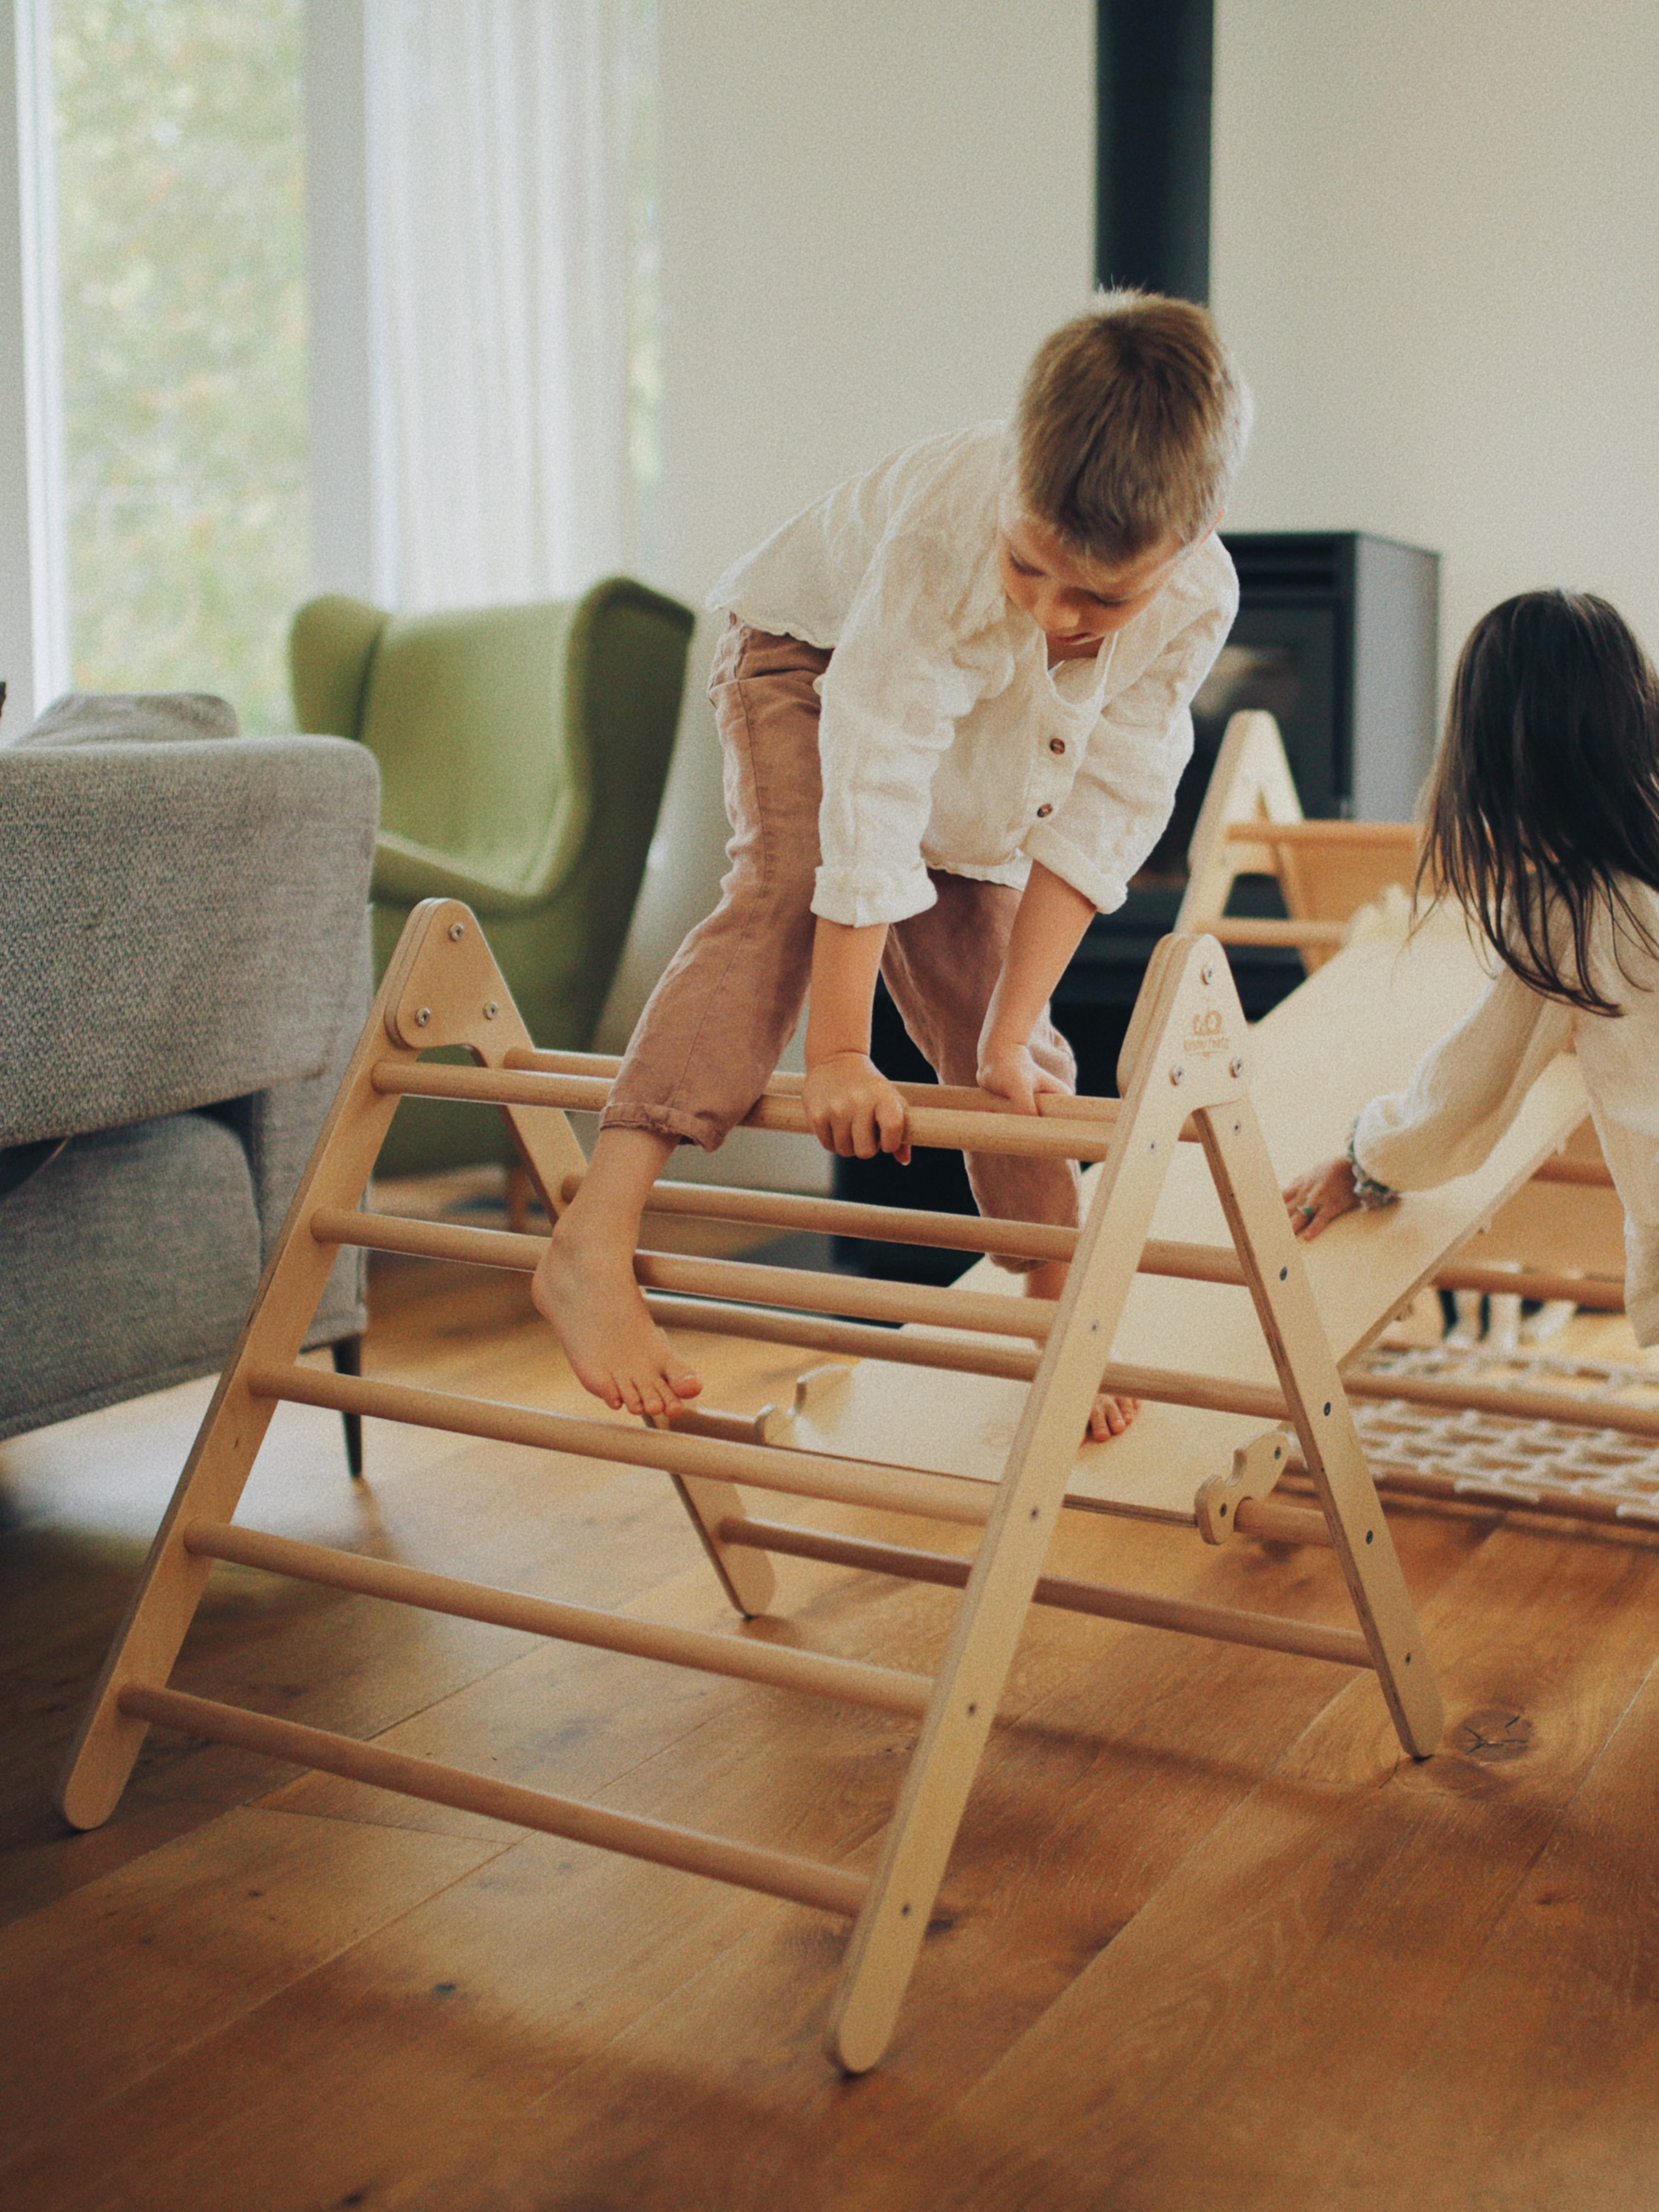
1356, 1028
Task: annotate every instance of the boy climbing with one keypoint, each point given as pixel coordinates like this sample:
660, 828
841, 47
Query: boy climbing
953, 699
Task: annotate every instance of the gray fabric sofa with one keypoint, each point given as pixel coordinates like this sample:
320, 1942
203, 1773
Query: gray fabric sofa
184, 971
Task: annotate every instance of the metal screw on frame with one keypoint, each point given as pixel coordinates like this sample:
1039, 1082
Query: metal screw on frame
423, 1016
491, 1010
457, 929
1175, 1073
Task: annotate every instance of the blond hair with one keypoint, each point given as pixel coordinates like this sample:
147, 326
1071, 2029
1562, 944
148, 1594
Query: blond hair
1130, 426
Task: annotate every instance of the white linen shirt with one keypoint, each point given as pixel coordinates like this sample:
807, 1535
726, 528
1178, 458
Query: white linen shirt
945, 740
1468, 1088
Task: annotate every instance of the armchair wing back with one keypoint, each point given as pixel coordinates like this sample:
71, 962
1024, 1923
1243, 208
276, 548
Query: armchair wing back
523, 752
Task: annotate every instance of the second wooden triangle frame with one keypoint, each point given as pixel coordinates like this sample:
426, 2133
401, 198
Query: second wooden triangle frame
1186, 1065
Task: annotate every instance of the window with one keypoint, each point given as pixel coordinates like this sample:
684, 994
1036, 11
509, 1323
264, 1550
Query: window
181, 261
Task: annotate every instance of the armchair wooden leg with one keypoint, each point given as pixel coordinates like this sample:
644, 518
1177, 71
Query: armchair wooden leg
348, 1360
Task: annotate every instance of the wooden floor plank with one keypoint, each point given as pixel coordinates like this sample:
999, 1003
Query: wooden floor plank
84, 1497
192, 1936
1130, 1770
1554, 2034
1313, 1937
1207, 1942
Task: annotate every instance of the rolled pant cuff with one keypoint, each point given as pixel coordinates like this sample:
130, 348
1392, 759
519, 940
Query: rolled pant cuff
684, 1129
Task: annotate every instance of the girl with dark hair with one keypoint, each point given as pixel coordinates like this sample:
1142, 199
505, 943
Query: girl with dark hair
1543, 824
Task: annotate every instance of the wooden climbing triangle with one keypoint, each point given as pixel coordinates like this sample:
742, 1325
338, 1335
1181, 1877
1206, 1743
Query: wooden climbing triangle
1186, 1076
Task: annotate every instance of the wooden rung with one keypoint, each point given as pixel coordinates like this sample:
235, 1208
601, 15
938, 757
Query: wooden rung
909, 1347
816, 1673
1242, 929
841, 1217
1516, 1404
1031, 1136
765, 1467
803, 1289
900, 1225
775, 1874
1062, 1105
1274, 1523
1538, 1499
1561, 1168
428, 1240
1211, 1394
1596, 1293
1403, 836
1026, 1316
498, 1248
1223, 1624
734, 1280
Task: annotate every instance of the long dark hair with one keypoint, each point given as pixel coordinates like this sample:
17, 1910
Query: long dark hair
1545, 791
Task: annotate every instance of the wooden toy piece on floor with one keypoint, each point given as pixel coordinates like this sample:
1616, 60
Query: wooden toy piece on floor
1186, 1114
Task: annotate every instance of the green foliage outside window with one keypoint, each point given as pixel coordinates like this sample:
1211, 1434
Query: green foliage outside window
181, 247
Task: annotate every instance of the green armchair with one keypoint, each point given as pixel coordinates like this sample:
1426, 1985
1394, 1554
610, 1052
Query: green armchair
522, 753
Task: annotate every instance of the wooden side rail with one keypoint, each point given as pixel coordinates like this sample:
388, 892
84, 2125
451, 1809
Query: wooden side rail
1038, 1136
817, 1673
1516, 1404
1222, 1623
747, 1866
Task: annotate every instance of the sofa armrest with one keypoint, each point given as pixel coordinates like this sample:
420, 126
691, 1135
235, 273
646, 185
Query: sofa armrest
180, 922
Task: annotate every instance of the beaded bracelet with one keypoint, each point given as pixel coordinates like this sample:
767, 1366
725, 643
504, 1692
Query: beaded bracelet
1367, 1191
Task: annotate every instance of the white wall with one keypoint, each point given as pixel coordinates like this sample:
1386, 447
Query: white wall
1436, 247
871, 214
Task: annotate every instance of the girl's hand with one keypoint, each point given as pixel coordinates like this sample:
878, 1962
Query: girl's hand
1011, 1071
853, 1110
1320, 1197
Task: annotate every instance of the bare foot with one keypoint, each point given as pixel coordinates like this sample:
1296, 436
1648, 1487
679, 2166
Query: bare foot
585, 1286
1109, 1416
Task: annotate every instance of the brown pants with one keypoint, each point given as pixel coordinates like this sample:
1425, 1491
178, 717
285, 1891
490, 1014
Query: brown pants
729, 1000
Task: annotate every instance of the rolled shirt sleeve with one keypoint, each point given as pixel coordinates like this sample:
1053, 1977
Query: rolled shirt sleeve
1118, 807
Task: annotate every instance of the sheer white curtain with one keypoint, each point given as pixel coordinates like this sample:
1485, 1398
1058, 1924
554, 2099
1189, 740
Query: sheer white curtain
505, 144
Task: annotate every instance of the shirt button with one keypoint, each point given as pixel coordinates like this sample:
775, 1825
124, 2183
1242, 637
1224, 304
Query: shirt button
1043, 812
1056, 744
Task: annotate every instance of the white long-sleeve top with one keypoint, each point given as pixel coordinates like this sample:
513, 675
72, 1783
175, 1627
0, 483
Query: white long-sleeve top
1468, 1088
946, 740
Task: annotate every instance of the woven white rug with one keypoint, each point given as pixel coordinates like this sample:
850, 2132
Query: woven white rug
1597, 1473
